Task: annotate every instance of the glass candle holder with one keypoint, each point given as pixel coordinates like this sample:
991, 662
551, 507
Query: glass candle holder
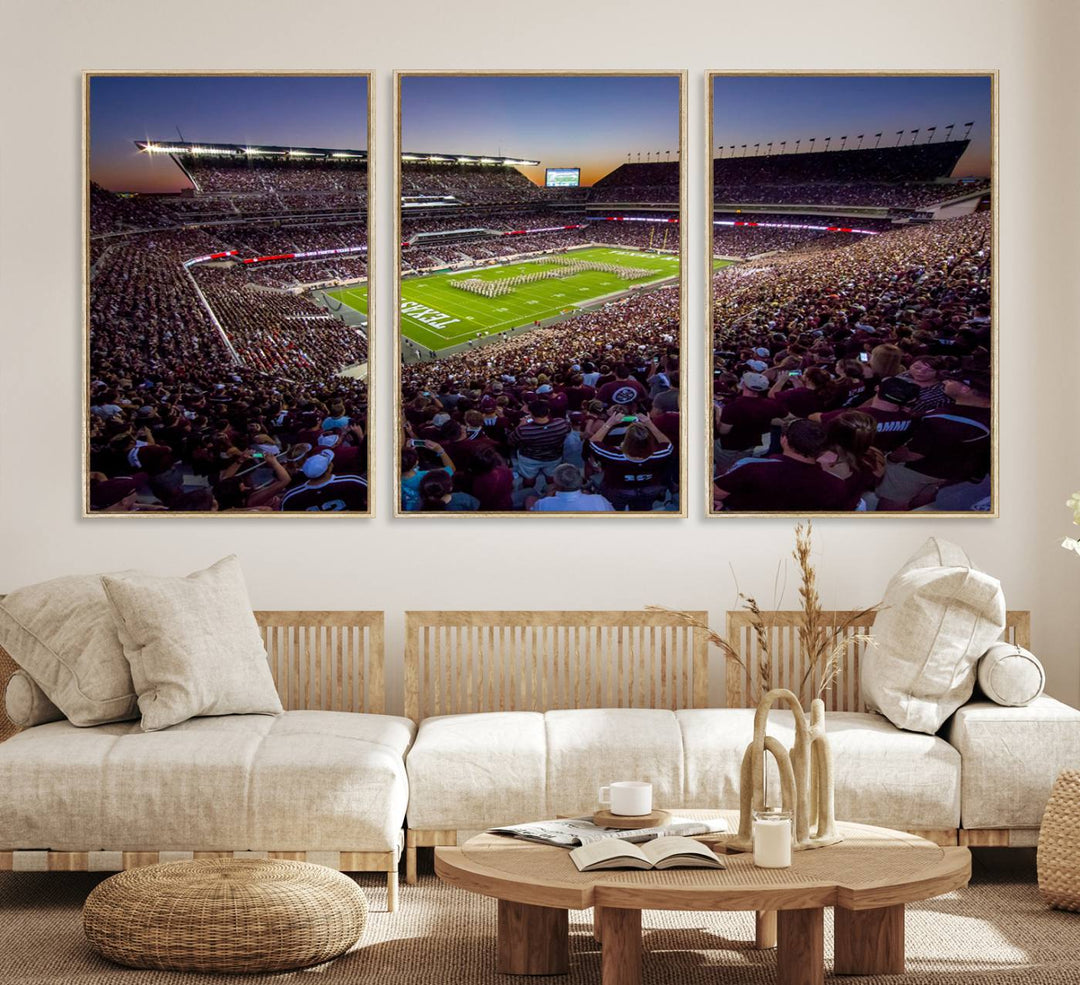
772, 838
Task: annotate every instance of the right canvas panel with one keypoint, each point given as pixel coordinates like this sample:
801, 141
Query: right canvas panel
852, 311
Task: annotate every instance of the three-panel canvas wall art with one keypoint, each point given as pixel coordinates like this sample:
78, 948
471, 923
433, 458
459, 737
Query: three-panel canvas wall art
546, 355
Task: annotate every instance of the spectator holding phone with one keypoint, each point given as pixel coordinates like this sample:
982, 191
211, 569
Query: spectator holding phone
412, 475
634, 474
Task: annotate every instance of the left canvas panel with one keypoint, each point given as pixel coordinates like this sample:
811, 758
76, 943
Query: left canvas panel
228, 365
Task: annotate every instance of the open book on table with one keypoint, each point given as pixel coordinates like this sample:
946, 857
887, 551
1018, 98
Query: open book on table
663, 853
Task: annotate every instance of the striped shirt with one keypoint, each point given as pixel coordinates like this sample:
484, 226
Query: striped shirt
542, 442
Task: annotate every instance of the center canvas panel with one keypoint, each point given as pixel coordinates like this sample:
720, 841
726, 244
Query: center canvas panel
539, 294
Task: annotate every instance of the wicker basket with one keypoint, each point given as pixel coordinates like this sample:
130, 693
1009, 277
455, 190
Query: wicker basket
1059, 844
225, 915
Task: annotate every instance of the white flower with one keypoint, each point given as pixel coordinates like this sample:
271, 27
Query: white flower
1071, 545
1073, 502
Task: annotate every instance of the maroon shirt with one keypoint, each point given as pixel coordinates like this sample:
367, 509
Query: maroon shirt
800, 401
621, 389
461, 452
577, 396
781, 484
955, 443
495, 489
749, 418
894, 427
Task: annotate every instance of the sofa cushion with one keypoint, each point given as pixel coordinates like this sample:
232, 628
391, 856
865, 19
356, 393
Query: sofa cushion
475, 771
590, 747
1011, 758
26, 704
63, 634
938, 616
193, 645
301, 781
882, 775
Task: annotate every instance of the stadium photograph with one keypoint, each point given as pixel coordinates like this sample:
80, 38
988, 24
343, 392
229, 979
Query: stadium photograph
224, 214
852, 341
539, 311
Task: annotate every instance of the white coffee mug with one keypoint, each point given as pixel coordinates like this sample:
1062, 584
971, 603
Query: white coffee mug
627, 797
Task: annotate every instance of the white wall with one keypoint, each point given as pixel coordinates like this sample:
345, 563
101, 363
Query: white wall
394, 565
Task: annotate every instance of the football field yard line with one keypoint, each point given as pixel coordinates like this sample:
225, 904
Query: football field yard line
539, 300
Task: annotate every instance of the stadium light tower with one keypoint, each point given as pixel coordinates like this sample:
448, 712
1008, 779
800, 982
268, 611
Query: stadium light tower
930, 130
756, 146
899, 134
877, 140
732, 150
948, 131
967, 132
783, 146
744, 150
812, 139
843, 142
860, 136
768, 148
914, 136
797, 142
827, 139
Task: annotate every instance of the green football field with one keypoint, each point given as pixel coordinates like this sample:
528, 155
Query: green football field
436, 315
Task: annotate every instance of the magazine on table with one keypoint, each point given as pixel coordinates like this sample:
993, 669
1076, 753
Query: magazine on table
575, 831
663, 853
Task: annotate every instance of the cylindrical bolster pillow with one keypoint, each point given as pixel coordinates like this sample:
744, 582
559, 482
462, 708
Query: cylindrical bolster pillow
1010, 675
26, 704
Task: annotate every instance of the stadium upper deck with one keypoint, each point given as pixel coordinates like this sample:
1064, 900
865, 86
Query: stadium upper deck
912, 176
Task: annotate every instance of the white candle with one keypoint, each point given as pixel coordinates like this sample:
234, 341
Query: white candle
772, 842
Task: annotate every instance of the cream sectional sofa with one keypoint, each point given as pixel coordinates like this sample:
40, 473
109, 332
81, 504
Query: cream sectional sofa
506, 744
324, 781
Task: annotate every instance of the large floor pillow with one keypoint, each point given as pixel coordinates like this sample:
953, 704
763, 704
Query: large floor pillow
938, 616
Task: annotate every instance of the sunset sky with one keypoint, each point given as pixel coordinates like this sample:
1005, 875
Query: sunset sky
302, 111
756, 109
587, 122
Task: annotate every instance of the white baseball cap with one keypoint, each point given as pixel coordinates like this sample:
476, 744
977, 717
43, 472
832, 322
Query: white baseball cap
315, 467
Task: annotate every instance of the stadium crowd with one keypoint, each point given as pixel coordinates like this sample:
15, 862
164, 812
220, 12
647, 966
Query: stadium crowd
179, 421
857, 378
907, 195
582, 416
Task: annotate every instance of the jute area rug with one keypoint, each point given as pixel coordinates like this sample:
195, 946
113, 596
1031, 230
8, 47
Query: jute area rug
997, 931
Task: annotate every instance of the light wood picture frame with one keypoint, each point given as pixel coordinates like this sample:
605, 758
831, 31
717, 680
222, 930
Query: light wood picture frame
224, 214
424, 195
852, 217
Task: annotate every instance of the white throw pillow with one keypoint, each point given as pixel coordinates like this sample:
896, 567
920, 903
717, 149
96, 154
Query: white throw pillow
1011, 675
938, 616
193, 645
26, 704
63, 634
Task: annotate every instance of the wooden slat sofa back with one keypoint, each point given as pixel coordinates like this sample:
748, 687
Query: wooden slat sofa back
333, 661
460, 662
784, 658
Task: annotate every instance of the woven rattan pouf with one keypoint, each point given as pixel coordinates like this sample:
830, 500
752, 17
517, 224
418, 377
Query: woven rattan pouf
225, 915
1059, 844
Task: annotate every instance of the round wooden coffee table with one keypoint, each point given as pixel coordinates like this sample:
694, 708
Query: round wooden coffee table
867, 878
